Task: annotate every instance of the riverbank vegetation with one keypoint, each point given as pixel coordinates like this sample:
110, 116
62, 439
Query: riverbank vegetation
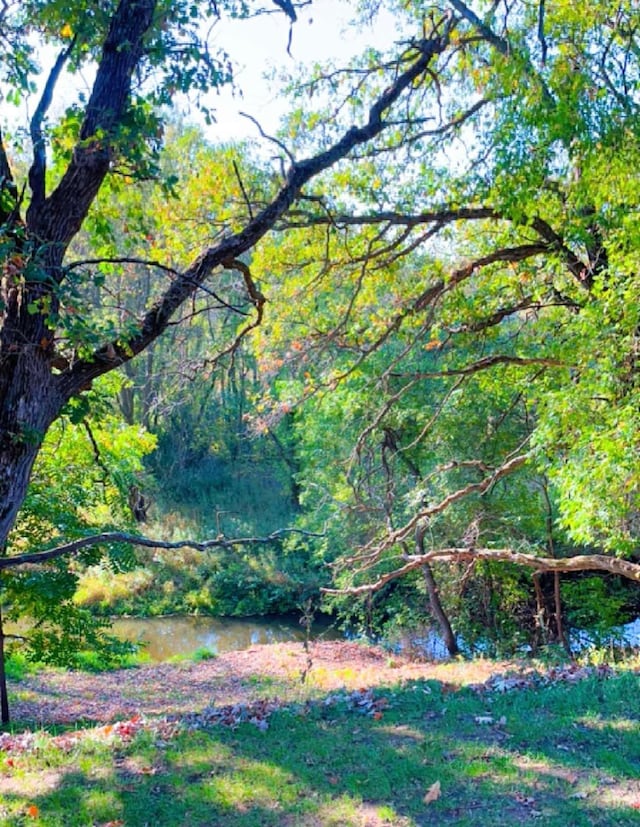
390, 374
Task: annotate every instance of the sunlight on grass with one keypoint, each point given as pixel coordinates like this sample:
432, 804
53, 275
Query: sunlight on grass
548, 755
102, 804
254, 783
603, 724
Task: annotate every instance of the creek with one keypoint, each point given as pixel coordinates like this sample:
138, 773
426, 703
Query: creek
178, 635
174, 635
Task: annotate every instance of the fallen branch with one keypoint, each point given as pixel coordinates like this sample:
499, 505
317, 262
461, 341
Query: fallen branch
109, 537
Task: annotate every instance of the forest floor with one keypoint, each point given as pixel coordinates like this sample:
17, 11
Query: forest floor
365, 740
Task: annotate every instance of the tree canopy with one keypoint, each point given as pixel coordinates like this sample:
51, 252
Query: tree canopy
437, 275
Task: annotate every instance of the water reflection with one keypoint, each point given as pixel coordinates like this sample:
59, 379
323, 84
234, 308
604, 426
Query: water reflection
166, 637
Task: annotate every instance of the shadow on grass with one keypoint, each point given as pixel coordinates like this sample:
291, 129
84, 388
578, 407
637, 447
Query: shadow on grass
563, 755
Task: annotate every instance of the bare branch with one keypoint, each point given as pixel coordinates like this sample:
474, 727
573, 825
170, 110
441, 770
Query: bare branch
500, 43
484, 364
443, 216
581, 562
37, 172
110, 537
143, 262
487, 33
271, 138
372, 551
232, 247
541, 36
577, 268
243, 190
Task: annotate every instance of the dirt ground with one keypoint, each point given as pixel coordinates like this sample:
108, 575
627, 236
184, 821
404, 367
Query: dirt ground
53, 696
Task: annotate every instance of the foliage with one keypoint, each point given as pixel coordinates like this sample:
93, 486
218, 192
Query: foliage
81, 481
460, 295
434, 285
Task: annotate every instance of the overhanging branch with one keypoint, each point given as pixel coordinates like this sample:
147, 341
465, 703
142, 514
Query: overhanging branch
581, 562
485, 363
391, 218
371, 553
231, 248
109, 537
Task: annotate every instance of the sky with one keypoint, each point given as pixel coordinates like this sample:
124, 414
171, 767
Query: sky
259, 45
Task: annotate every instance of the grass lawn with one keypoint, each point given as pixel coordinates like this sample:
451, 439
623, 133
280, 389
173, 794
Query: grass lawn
566, 754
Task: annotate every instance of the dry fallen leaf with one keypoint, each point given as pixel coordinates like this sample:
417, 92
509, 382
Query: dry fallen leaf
433, 793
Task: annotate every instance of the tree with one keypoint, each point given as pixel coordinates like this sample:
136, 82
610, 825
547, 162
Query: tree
466, 168
144, 51
486, 246
135, 37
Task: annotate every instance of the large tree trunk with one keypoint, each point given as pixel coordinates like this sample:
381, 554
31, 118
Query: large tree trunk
29, 402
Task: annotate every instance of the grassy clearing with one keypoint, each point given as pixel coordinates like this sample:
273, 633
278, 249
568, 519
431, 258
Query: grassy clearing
426, 753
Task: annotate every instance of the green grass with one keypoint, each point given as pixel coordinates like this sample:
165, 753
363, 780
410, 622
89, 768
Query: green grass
563, 755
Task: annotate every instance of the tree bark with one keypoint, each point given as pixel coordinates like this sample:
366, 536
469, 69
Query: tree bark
435, 603
439, 613
29, 404
4, 694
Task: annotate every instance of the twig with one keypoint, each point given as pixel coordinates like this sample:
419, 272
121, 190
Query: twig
243, 190
264, 135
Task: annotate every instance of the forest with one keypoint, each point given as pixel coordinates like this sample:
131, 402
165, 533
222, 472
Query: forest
382, 364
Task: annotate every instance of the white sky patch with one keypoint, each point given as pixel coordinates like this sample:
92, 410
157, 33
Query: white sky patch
258, 49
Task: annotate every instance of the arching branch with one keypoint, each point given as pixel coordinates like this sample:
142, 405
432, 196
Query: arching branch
581, 562
371, 553
110, 537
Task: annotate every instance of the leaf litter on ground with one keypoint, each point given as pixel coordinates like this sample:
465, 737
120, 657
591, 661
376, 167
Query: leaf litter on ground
364, 701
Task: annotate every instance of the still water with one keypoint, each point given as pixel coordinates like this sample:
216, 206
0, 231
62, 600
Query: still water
166, 637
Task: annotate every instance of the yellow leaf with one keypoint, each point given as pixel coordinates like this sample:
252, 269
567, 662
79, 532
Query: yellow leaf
66, 31
433, 793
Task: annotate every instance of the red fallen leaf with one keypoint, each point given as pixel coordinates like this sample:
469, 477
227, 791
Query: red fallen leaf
33, 811
377, 715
